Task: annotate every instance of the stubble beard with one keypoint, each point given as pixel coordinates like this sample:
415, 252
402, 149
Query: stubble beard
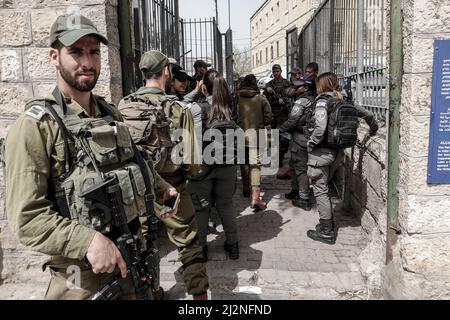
74, 83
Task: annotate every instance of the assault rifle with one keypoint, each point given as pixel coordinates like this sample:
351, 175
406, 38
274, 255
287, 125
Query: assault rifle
279, 96
142, 267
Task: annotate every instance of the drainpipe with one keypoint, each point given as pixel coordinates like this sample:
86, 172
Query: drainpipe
126, 47
395, 99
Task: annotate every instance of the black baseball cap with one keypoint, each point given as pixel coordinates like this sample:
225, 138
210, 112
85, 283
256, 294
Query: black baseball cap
179, 73
201, 63
276, 66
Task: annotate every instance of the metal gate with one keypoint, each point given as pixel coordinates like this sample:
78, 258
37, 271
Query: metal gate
348, 37
147, 25
292, 49
229, 57
202, 41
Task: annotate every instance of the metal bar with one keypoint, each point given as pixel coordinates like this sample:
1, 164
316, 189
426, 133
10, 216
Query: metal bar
332, 31
191, 46
162, 27
195, 37
126, 46
360, 52
216, 49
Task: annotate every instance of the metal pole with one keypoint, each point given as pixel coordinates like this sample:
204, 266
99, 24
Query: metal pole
217, 12
332, 36
177, 44
229, 15
360, 53
163, 27
126, 47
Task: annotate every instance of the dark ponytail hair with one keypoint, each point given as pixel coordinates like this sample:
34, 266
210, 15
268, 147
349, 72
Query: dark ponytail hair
217, 86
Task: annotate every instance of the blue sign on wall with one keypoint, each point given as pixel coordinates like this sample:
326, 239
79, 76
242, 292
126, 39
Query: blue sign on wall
439, 150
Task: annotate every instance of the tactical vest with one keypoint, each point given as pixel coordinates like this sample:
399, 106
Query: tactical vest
96, 149
151, 128
307, 112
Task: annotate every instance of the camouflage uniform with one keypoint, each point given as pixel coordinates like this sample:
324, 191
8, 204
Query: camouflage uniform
280, 110
182, 229
34, 161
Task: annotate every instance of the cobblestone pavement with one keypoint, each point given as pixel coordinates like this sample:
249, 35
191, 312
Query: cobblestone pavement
277, 260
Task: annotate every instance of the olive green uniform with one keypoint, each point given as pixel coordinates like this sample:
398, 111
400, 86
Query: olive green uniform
254, 112
34, 160
182, 229
280, 110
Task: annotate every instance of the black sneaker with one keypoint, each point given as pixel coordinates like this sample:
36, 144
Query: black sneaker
232, 250
293, 195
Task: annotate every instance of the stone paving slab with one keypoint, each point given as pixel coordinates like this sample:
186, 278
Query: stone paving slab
277, 259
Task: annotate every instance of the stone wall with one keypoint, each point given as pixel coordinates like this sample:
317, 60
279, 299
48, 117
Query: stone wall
420, 268
25, 73
366, 200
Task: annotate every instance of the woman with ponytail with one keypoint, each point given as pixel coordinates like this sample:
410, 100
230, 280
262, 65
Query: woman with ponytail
218, 186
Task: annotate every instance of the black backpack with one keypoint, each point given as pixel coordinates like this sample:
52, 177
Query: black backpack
228, 148
342, 127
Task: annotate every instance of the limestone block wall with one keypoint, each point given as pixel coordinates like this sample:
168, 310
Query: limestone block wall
420, 268
25, 73
366, 200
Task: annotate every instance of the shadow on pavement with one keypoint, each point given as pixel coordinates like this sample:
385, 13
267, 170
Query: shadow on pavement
236, 279
230, 279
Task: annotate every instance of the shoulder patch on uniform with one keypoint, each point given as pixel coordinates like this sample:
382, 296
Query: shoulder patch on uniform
321, 115
296, 109
36, 112
322, 103
304, 102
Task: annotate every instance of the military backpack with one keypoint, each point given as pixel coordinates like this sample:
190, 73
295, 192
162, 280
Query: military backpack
149, 122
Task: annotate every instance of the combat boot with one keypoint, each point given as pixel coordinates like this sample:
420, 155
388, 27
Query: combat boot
324, 233
200, 296
158, 294
232, 250
257, 204
293, 195
302, 204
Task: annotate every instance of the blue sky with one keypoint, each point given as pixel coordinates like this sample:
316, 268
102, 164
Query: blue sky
241, 11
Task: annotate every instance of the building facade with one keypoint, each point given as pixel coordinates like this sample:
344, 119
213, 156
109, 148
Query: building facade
274, 30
